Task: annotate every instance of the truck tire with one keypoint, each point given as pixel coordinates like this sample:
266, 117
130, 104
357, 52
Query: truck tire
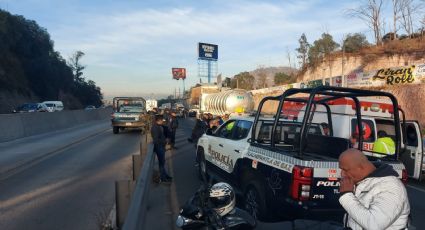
115, 130
255, 200
202, 167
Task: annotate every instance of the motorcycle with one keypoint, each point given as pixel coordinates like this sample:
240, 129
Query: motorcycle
197, 213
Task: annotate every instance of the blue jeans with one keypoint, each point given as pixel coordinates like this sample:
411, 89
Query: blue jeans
160, 154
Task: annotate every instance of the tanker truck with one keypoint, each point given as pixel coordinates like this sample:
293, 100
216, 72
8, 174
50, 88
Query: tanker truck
227, 102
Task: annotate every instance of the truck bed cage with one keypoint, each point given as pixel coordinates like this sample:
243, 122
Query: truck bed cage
329, 93
115, 100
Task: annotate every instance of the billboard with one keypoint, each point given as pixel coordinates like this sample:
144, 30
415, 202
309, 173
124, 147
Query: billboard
314, 83
395, 75
336, 81
179, 73
207, 51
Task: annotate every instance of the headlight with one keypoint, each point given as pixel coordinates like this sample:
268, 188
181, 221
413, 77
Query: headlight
180, 221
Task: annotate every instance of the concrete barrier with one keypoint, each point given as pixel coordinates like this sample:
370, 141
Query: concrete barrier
14, 126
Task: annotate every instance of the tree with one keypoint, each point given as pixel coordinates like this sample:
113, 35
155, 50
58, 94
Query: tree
396, 15
262, 76
370, 12
354, 42
243, 80
283, 78
321, 48
77, 68
303, 50
409, 10
32, 68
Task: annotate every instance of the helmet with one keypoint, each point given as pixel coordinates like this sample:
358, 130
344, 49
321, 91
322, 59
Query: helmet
222, 198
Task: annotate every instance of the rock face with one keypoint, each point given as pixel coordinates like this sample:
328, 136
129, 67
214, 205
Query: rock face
411, 97
336, 67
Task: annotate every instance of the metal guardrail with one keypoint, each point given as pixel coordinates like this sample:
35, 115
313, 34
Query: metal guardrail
136, 214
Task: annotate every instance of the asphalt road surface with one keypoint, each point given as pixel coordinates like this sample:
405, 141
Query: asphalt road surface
165, 200
72, 188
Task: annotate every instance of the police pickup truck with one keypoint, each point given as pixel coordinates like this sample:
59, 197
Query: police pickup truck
283, 163
129, 113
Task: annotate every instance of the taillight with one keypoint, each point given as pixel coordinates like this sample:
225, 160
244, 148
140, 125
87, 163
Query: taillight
302, 178
404, 176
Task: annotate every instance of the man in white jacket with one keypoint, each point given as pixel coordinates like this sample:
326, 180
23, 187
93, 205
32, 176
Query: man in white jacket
372, 195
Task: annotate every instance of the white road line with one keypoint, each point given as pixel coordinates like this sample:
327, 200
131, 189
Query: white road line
416, 188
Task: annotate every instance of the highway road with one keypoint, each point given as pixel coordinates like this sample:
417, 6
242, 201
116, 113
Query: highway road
70, 187
165, 200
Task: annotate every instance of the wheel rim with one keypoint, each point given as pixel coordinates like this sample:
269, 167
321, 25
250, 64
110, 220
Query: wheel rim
251, 203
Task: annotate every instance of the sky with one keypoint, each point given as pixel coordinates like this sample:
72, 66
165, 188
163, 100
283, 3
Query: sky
130, 46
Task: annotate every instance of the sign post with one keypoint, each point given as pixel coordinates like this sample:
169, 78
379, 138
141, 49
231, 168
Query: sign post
207, 55
179, 73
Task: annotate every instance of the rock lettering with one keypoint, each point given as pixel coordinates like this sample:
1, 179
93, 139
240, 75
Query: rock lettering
396, 76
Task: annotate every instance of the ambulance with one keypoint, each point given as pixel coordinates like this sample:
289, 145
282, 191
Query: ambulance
377, 115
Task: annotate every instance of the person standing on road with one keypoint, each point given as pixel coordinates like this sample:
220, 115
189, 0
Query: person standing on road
199, 129
173, 124
159, 141
372, 194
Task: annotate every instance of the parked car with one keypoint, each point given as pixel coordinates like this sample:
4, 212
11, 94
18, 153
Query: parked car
90, 107
192, 113
30, 108
53, 106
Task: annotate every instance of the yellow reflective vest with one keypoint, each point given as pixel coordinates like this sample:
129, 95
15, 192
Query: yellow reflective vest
384, 145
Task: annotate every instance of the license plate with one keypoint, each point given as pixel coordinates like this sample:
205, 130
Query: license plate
128, 123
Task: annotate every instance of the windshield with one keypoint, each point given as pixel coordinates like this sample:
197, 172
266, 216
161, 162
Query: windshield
131, 109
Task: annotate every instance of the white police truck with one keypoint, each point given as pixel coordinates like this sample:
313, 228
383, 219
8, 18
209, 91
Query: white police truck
282, 162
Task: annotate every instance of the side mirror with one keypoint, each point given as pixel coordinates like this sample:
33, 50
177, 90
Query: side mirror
209, 132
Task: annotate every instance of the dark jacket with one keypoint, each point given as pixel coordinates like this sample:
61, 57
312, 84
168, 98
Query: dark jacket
199, 129
158, 135
173, 124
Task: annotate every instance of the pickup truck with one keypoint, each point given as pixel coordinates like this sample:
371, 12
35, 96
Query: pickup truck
129, 113
285, 165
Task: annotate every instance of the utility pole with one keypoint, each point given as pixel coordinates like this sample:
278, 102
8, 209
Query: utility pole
343, 62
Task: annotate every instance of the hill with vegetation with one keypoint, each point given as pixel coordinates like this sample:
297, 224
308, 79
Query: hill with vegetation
31, 70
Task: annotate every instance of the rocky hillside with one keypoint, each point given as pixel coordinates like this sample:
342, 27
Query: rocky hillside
410, 96
270, 73
31, 70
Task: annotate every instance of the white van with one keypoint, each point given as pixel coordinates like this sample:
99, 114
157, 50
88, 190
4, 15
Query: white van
53, 106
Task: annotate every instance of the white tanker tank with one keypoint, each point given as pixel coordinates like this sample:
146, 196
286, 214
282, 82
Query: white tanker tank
230, 101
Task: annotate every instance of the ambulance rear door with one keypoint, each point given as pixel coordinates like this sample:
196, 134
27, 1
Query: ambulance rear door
412, 158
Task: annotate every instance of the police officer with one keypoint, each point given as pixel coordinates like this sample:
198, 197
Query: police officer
173, 124
159, 141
